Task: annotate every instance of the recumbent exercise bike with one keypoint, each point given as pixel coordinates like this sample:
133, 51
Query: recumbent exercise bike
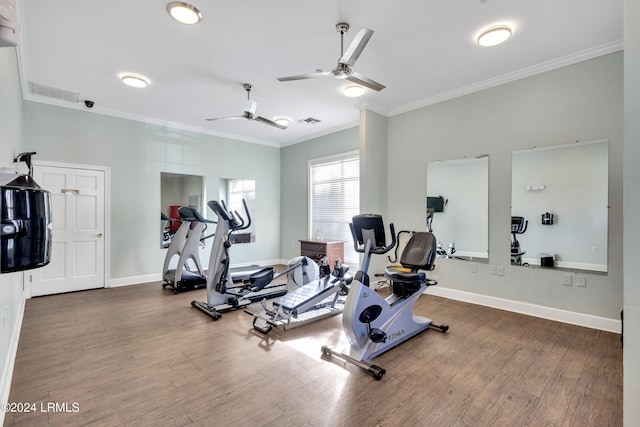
374, 324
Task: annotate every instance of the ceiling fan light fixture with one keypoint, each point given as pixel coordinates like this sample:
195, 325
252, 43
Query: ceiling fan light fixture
134, 80
353, 91
282, 120
184, 12
494, 36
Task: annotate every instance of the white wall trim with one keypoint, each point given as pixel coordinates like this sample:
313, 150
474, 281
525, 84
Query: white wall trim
579, 319
7, 369
134, 280
573, 58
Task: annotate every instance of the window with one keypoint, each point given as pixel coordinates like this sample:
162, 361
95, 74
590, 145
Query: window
334, 198
238, 190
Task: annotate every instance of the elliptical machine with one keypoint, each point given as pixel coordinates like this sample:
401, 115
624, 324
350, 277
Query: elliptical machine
225, 295
374, 324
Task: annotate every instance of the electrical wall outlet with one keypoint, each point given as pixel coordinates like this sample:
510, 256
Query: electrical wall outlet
474, 267
566, 279
581, 281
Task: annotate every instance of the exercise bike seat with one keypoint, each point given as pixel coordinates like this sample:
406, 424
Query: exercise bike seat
402, 274
418, 254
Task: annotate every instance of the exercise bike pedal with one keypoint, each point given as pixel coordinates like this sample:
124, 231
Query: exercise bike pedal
377, 335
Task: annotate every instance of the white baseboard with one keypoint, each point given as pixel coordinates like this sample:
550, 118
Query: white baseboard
580, 319
134, 280
7, 369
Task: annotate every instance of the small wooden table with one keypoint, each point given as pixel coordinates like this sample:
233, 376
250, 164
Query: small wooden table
318, 249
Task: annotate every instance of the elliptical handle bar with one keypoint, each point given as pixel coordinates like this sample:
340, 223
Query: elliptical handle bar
244, 226
236, 222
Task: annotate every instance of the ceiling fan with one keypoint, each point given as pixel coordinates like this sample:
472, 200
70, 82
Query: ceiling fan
347, 59
249, 112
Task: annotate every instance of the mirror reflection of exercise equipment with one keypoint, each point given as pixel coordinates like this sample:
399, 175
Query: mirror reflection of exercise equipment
571, 182
518, 226
374, 324
464, 183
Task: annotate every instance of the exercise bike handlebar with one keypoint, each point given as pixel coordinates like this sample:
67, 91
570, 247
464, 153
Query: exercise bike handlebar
373, 249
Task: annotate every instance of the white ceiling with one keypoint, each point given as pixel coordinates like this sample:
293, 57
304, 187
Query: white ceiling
424, 51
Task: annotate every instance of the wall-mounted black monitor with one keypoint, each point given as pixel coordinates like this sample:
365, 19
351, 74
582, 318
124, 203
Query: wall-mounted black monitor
436, 203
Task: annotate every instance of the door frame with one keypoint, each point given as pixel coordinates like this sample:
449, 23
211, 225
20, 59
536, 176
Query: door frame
107, 215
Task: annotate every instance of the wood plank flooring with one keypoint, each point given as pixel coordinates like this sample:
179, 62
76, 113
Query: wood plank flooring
142, 356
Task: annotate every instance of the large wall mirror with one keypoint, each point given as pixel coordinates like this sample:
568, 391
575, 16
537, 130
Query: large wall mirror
461, 220
177, 190
232, 192
559, 206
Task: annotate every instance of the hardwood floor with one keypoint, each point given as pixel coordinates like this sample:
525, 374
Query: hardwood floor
141, 356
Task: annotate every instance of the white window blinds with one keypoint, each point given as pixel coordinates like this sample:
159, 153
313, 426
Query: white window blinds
240, 189
334, 199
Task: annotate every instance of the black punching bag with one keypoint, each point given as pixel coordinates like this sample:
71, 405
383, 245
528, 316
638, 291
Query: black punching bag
25, 215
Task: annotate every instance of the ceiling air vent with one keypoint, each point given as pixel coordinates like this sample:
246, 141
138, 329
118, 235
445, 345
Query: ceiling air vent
54, 92
309, 121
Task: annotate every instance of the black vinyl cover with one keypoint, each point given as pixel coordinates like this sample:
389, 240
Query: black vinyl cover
25, 234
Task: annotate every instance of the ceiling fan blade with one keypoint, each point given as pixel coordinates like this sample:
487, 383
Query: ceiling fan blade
365, 81
268, 122
225, 118
356, 47
304, 76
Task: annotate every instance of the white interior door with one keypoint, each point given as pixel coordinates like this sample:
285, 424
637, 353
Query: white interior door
78, 216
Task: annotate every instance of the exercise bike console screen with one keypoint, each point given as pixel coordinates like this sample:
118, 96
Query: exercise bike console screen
369, 222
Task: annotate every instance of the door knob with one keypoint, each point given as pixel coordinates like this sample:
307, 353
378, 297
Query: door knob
99, 234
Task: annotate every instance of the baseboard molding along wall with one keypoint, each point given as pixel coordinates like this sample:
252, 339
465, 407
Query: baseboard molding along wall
579, 319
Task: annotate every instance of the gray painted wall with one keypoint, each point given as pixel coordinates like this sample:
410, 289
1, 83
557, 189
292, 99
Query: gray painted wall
295, 184
11, 299
137, 153
579, 102
631, 212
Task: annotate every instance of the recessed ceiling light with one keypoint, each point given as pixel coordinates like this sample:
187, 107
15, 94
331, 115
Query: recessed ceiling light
282, 120
134, 80
494, 35
354, 91
184, 12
